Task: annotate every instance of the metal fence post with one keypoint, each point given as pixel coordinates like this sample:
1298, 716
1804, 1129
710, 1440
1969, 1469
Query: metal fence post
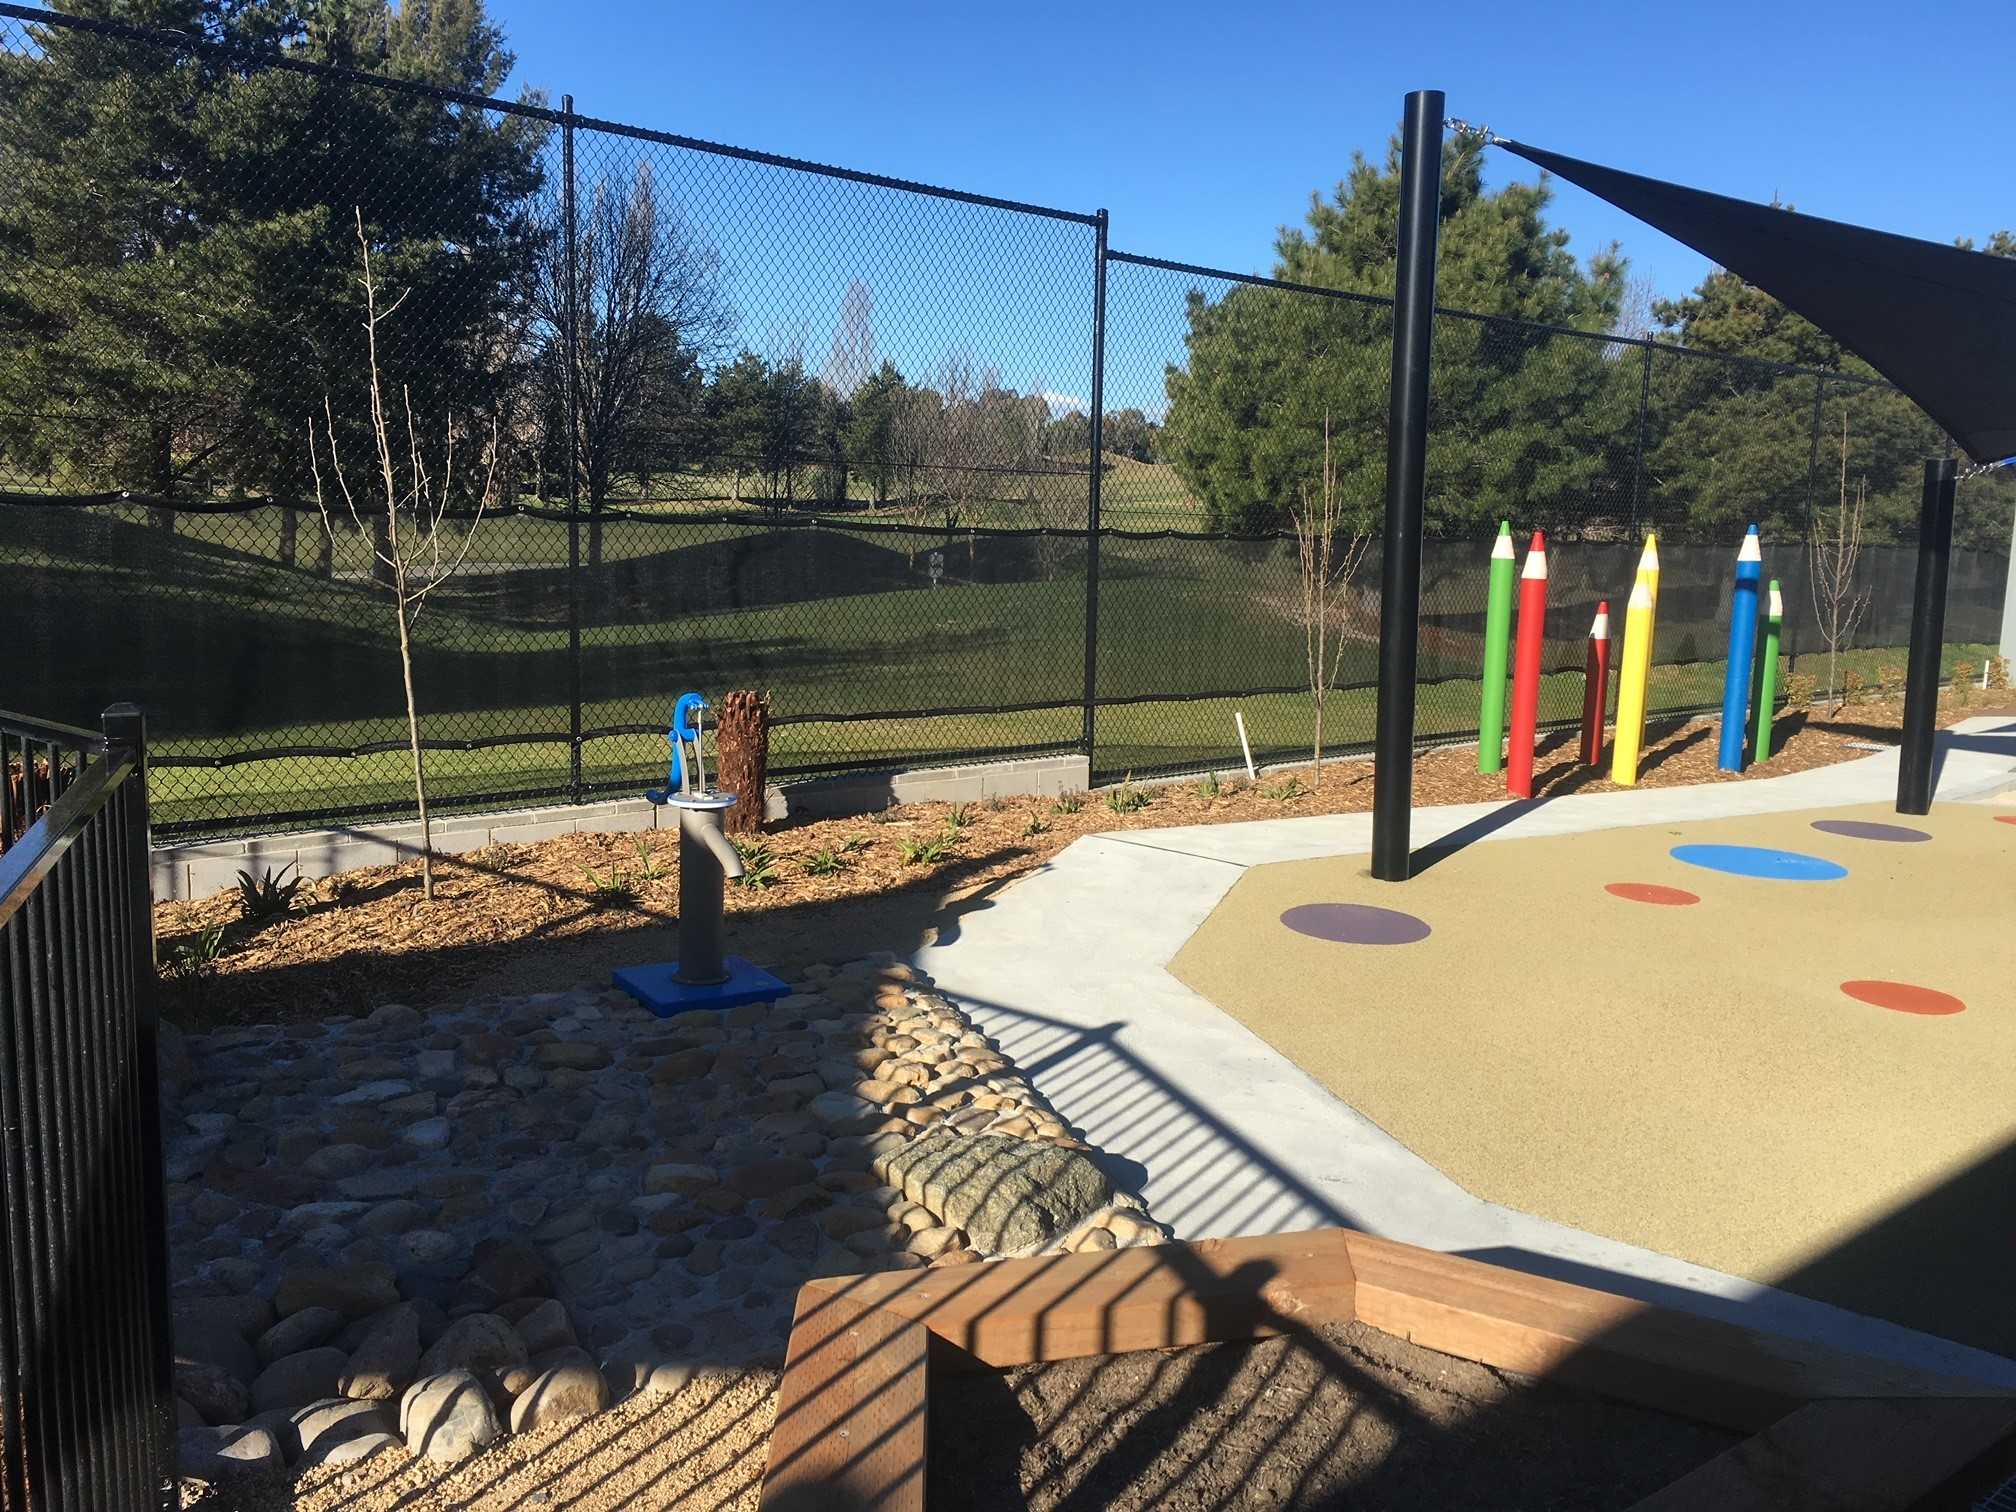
1917, 774
1093, 490
125, 730
571, 351
1638, 455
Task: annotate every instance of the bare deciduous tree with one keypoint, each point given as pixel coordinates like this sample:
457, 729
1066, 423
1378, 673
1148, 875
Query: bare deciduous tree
408, 531
1327, 568
1833, 548
648, 309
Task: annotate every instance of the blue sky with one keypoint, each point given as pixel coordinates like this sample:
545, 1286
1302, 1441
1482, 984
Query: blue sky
1203, 128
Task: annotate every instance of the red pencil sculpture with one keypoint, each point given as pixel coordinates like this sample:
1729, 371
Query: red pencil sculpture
1596, 685
1526, 668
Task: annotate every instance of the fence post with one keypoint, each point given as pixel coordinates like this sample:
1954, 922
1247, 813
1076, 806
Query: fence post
572, 352
1638, 457
125, 730
1813, 449
1094, 484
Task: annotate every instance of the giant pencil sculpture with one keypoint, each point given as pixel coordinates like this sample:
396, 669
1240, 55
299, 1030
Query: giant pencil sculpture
1497, 643
1526, 668
1634, 669
1648, 563
1596, 685
1742, 651
1767, 679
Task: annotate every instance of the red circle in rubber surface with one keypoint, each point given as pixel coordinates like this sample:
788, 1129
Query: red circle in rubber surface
2005, 818
1902, 997
1651, 892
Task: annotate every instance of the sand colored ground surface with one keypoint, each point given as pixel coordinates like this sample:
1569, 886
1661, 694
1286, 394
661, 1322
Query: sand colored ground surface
1687, 1078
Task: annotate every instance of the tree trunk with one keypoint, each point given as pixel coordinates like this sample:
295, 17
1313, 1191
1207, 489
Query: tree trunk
742, 757
413, 738
290, 526
325, 553
381, 571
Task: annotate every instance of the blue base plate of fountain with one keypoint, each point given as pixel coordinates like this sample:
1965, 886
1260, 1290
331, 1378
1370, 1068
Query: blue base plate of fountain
658, 988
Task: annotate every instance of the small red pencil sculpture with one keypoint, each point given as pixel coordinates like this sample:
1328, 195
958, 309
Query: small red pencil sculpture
1596, 685
1526, 668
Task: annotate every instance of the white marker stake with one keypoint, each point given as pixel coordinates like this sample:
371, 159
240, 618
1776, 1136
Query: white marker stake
1240, 720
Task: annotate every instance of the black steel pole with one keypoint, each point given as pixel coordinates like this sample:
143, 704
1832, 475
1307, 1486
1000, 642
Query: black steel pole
1406, 466
571, 352
1638, 455
1928, 633
1093, 488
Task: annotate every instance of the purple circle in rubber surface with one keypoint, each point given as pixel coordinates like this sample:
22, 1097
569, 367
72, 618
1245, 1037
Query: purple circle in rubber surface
1866, 829
1355, 924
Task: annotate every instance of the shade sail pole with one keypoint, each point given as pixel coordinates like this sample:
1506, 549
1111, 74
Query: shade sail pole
1915, 774
1406, 468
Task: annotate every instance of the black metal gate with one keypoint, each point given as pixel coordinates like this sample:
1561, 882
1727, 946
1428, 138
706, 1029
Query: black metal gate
85, 1364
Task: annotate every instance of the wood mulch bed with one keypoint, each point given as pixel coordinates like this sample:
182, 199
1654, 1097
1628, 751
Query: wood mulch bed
525, 918
1338, 1416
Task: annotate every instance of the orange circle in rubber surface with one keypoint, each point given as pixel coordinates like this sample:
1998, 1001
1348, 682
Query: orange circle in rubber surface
1650, 892
1904, 998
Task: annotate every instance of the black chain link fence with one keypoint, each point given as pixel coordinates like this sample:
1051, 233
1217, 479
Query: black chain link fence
713, 419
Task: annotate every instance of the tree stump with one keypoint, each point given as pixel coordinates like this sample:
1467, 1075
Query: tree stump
742, 754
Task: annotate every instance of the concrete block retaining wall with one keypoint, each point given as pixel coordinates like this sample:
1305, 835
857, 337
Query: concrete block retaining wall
198, 869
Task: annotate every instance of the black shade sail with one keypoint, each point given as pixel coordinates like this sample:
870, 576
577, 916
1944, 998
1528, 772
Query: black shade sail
1938, 322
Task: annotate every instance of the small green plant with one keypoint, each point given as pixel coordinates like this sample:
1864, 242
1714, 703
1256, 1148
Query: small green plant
994, 805
614, 890
650, 867
1207, 786
1966, 677
1998, 673
1799, 690
268, 898
1126, 798
1068, 803
194, 959
1284, 791
823, 862
883, 815
854, 843
759, 864
926, 852
958, 817
1037, 825
1851, 687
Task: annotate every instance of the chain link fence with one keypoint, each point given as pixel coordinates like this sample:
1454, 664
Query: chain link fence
710, 418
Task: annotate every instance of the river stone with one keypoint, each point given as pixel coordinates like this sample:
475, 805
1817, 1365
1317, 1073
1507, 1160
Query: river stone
481, 1341
207, 1453
675, 1177
506, 1269
544, 1327
386, 1357
355, 1291
217, 1395
214, 1341
573, 1055
565, 1392
322, 1425
447, 1417
249, 1316
298, 1331
766, 1178
1009, 1196
362, 1447
298, 1379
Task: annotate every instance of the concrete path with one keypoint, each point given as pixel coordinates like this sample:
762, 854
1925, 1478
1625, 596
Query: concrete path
1223, 1135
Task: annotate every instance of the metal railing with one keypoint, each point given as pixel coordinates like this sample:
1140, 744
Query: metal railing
86, 1422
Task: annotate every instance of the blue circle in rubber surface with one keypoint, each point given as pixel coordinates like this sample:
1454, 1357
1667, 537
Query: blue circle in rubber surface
1760, 861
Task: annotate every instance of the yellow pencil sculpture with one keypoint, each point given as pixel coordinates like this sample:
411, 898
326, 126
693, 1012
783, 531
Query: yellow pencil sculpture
1648, 568
1631, 684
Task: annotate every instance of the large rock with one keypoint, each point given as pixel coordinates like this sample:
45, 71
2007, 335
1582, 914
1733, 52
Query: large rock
558, 1395
218, 1395
1009, 1195
322, 1425
448, 1417
305, 1329
249, 1317
479, 1342
355, 1291
768, 1177
298, 1379
507, 1269
544, 1326
216, 1343
208, 1453
386, 1358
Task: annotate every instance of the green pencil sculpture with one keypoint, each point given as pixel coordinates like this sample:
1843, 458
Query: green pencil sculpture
1497, 651
1767, 677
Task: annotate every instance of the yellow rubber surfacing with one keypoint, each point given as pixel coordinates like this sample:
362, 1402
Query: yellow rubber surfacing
1689, 1079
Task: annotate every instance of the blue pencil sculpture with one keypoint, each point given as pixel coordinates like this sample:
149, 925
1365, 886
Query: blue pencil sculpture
1742, 651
